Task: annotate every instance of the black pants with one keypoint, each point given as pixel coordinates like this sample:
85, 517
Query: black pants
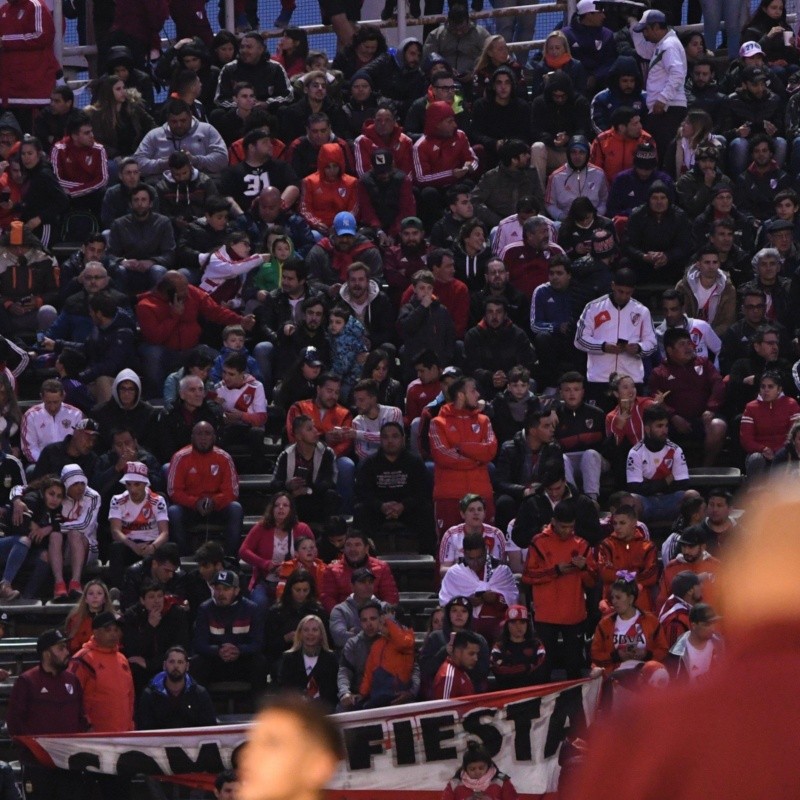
572, 649
250, 668
664, 127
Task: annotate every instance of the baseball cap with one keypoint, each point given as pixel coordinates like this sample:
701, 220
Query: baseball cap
72, 474
750, 49
692, 536
382, 161
226, 577
311, 357
88, 425
136, 472
104, 619
683, 582
452, 372
650, 17
412, 222
362, 574
586, 7
754, 74
603, 243
49, 638
516, 612
645, 156
459, 600
780, 225
721, 188
344, 223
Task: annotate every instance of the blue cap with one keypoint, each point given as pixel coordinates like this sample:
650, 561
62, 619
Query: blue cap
650, 17
344, 223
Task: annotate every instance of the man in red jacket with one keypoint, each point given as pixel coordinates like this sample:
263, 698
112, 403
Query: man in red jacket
337, 583
81, 165
452, 680
462, 445
169, 318
204, 487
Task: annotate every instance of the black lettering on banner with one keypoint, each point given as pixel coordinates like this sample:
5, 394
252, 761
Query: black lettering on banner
488, 734
404, 742
134, 763
436, 730
83, 761
208, 759
363, 743
569, 706
522, 714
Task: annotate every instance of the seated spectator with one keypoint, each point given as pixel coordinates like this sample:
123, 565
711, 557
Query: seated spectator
656, 244
228, 641
696, 187
76, 447
706, 342
47, 422
765, 424
149, 627
77, 530
518, 657
228, 268
230, 122
721, 207
625, 90
376, 368
702, 89
329, 259
777, 290
458, 212
49, 126
94, 600
756, 186
700, 650
371, 418
576, 178
473, 512
510, 408
452, 680
204, 487
328, 191
556, 54
695, 132
528, 260
267, 210
745, 374
183, 192
173, 699
362, 104
631, 187
471, 254
345, 616
138, 520
300, 381
628, 634
736, 341
303, 152
126, 409
80, 164
117, 198
163, 567
425, 387
627, 549
383, 132
557, 114
692, 556
306, 559
309, 666
657, 474
182, 131
197, 586
38, 510
509, 229
708, 292
269, 543
592, 43
105, 677
316, 99
684, 592
403, 259
354, 655
489, 584
385, 197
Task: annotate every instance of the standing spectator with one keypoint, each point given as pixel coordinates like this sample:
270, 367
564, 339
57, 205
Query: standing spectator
457, 40
229, 637
684, 592
462, 445
452, 680
47, 422
204, 487
657, 43
105, 675
560, 569
592, 43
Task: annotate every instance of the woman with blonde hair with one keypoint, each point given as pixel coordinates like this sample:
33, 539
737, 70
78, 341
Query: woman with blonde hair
309, 666
556, 54
495, 54
694, 132
94, 600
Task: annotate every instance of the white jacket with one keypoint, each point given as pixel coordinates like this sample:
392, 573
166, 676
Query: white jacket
666, 72
40, 428
222, 266
603, 323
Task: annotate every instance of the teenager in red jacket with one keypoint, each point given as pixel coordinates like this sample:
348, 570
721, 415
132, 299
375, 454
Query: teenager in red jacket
560, 568
462, 446
337, 583
80, 163
627, 549
328, 191
628, 634
452, 680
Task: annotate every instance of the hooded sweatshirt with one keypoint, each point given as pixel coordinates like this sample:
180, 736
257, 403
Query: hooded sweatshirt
222, 278
369, 141
567, 183
550, 118
594, 47
435, 156
607, 101
323, 199
716, 306
112, 416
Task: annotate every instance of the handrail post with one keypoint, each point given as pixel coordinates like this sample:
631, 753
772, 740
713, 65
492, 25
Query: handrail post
58, 39
402, 29
230, 16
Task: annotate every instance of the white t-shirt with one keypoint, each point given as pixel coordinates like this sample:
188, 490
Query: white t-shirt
698, 661
139, 520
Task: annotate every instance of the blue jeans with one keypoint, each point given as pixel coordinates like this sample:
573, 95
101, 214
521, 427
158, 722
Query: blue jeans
346, 472
660, 507
714, 11
157, 362
14, 552
263, 353
231, 518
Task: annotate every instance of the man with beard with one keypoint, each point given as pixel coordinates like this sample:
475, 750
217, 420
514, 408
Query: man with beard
329, 259
47, 699
693, 557
498, 286
370, 306
303, 152
294, 337
402, 260
337, 580
173, 699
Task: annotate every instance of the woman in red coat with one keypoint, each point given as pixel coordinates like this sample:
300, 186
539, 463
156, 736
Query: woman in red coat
479, 777
269, 543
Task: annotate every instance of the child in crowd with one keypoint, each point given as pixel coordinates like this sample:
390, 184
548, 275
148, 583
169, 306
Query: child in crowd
479, 777
226, 268
95, 600
349, 351
233, 337
268, 276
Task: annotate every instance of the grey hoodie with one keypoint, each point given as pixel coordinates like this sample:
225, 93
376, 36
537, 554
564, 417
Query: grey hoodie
202, 141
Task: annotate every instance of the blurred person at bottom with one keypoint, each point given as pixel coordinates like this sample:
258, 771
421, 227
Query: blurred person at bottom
479, 777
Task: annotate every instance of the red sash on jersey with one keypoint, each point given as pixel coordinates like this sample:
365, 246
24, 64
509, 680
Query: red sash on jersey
665, 467
245, 400
633, 636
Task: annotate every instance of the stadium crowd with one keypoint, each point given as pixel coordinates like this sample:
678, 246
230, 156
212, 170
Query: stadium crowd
495, 308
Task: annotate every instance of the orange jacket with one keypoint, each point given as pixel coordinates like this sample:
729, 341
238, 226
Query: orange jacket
288, 567
336, 417
650, 633
321, 199
462, 445
706, 563
79, 633
614, 153
108, 694
638, 555
558, 597
393, 653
